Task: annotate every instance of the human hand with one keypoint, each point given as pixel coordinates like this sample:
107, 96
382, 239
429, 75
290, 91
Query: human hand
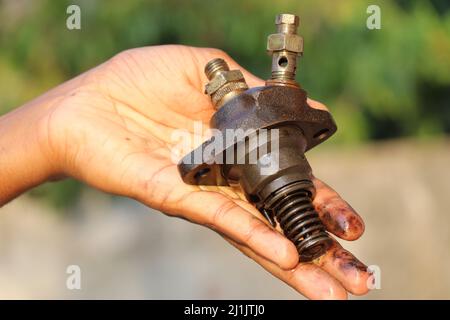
112, 126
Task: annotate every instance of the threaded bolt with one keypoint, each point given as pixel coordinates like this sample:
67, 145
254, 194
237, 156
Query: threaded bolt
223, 84
285, 46
215, 66
287, 23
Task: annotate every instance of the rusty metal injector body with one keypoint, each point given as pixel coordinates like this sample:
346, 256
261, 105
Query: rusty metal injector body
285, 194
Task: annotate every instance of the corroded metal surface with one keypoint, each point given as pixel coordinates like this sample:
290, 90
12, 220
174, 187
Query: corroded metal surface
279, 110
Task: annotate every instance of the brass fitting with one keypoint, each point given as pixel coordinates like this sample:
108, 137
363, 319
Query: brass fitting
223, 84
285, 46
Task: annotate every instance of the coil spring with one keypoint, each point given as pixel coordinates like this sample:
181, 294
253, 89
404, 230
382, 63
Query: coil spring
293, 209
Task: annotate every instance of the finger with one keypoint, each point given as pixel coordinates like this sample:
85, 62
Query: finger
305, 278
337, 215
317, 105
159, 186
225, 216
347, 269
218, 212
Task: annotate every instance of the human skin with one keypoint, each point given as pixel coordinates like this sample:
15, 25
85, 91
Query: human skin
111, 127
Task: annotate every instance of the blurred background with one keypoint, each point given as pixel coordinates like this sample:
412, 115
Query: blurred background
388, 89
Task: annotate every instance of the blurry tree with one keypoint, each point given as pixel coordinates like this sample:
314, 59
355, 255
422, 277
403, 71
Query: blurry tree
379, 84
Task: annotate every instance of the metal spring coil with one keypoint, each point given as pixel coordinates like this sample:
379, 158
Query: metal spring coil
293, 209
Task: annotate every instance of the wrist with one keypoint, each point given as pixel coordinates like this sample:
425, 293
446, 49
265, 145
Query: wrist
25, 155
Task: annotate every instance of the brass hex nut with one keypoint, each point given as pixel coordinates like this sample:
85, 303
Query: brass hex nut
287, 19
229, 88
222, 78
284, 41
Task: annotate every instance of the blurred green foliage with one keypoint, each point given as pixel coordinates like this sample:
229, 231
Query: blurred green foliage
379, 84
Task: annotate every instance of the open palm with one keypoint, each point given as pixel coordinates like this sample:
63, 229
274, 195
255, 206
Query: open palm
112, 128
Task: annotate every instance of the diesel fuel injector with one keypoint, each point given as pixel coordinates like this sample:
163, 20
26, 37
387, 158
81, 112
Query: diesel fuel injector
278, 181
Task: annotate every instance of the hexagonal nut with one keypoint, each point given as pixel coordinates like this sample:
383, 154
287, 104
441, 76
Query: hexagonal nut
227, 88
287, 19
283, 41
223, 78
